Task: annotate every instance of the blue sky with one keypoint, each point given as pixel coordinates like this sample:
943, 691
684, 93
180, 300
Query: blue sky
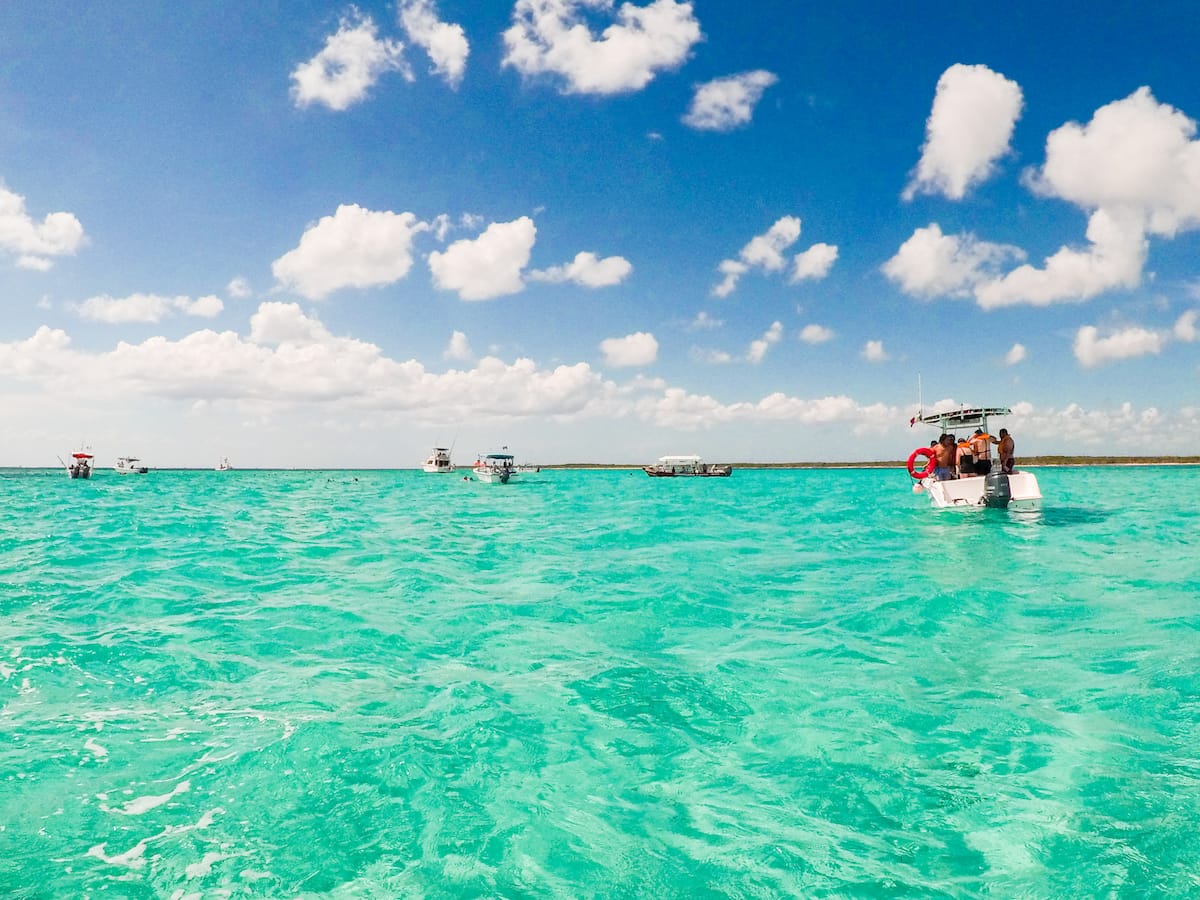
334, 235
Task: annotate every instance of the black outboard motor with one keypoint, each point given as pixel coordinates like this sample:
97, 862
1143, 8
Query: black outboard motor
997, 493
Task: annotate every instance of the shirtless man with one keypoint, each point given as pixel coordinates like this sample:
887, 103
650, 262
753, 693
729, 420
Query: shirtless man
1005, 451
946, 452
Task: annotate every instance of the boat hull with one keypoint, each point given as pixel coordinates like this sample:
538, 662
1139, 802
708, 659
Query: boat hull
438, 470
494, 476
708, 472
969, 493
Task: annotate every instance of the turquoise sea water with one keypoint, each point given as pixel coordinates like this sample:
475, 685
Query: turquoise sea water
597, 684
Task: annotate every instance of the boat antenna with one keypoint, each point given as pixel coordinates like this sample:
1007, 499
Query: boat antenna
920, 397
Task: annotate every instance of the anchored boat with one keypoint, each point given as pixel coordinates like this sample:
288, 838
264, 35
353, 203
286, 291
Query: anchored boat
129, 465
986, 484
439, 461
685, 466
496, 468
80, 465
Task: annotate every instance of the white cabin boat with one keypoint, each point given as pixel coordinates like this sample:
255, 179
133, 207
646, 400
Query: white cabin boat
439, 461
994, 488
690, 466
496, 468
223, 465
80, 465
130, 465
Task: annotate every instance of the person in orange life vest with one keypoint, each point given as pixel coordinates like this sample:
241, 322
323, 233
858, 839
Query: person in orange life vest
981, 447
966, 461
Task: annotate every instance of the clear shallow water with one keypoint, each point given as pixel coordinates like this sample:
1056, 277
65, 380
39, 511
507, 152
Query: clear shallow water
784, 683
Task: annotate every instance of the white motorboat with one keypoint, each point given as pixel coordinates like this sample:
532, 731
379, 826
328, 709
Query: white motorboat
987, 485
129, 465
496, 468
223, 465
80, 466
690, 466
439, 461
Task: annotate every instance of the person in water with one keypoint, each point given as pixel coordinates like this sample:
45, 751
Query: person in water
1005, 451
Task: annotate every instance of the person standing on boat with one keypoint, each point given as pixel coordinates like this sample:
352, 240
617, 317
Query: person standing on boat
981, 447
946, 452
1005, 450
966, 459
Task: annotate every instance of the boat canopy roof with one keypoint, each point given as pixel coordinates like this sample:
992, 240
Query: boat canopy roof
679, 460
499, 456
962, 417
82, 455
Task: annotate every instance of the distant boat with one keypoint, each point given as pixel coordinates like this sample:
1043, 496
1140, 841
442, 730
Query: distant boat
128, 465
439, 461
495, 468
80, 465
690, 466
223, 465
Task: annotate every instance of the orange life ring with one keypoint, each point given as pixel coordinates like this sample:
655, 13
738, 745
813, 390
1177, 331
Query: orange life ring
928, 470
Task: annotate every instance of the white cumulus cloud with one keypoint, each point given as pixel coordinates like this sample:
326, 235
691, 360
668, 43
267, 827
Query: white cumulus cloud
758, 348
728, 103
933, 264
1185, 327
766, 253
238, 288
285, 323
815, 334
488, 266
873, 351
814, 263
1135, 169
352, 60
36, 243
637, 349
458, 348
446, 43
969, 128
587, 270
554, 37
1135, 156
1125, 343
354, 247
1114, 258
1016, 353
147, 308
711, 357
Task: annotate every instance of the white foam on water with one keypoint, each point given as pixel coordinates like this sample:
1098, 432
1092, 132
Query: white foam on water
98, 751
139, 805
131, 858
202, 868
